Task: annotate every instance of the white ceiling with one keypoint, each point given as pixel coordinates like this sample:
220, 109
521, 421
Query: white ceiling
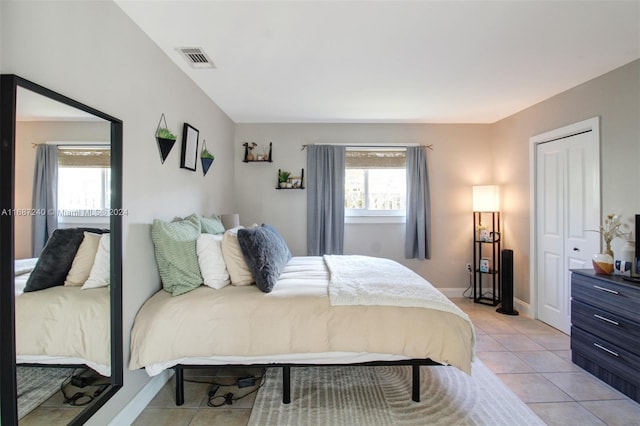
31, 106
393, 61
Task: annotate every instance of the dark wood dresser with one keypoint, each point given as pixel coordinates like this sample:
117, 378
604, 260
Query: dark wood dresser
605, 329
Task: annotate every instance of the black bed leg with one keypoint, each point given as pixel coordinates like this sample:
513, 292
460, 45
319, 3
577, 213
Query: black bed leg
415, 391
286, 385
179, 386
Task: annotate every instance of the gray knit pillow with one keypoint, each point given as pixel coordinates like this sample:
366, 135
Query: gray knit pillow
266, 254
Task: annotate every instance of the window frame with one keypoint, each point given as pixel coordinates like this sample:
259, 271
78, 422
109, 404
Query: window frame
367, 215
87, 216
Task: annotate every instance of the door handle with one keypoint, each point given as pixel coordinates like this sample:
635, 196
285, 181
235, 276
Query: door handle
576, 249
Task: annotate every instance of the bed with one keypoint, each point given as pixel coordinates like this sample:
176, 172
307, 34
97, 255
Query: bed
62, 315
320, 310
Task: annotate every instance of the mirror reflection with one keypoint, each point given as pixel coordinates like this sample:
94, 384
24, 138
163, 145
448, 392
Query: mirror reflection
62, 256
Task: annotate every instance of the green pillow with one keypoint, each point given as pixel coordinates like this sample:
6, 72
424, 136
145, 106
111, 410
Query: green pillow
211, 225
176, 255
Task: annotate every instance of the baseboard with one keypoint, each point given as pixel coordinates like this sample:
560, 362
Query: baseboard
523, 308
139, 402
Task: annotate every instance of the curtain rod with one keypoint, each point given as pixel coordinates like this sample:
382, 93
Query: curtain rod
70, 144
371, 146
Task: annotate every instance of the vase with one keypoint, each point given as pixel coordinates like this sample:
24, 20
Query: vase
602, 263
625, 258
250, 156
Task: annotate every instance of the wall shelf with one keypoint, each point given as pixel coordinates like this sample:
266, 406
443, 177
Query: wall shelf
296, 182
268, 160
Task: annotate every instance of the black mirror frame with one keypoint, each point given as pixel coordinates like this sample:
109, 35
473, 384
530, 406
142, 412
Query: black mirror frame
9, 84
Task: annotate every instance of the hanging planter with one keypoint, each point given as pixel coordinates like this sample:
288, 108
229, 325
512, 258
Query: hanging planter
206, 158
165, 139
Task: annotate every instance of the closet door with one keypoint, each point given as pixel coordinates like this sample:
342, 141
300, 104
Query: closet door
567, 206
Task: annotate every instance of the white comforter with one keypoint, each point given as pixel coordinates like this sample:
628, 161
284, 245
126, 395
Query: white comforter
295, 323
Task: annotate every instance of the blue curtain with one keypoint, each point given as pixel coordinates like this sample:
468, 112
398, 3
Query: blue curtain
44, 197
418, 226
325, 199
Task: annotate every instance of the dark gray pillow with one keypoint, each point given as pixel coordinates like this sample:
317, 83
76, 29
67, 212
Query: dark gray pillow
56, 258
266, 254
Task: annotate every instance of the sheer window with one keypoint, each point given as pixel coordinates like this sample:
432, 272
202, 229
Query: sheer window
375, 182
84, 182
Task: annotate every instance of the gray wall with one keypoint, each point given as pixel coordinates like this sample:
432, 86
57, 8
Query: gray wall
92, 52
615, 98
461, 158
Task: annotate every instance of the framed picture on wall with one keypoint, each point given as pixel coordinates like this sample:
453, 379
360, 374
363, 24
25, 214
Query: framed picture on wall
295, 181
189, 157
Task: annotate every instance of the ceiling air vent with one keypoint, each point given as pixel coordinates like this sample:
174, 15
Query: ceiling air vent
196, 57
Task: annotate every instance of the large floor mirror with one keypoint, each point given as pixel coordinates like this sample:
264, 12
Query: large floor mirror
60, 250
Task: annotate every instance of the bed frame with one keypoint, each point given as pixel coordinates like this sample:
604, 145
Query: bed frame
286, 374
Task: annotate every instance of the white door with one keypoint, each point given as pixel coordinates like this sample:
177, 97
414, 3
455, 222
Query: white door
567, 205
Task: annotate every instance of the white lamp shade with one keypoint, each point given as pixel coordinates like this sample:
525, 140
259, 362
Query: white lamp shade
230, 220
486, 198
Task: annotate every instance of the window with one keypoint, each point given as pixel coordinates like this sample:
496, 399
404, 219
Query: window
375, 182
84, 183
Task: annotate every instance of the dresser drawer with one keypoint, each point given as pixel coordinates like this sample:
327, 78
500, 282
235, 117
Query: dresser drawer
611, 357
611, 327
607, 295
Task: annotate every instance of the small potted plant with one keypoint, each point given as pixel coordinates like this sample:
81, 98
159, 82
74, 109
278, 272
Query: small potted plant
165, 140
283, 177
164, 133
206, 158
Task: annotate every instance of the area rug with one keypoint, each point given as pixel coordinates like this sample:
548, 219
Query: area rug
365, 395
36, 385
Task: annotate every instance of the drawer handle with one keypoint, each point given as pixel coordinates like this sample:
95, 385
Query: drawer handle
606, 319
606, 350
606, 289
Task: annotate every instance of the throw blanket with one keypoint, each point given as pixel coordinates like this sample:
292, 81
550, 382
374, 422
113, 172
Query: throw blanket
364, 280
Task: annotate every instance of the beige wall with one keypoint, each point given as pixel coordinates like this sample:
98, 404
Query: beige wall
28, 133
93, 53
461, 158
615, 98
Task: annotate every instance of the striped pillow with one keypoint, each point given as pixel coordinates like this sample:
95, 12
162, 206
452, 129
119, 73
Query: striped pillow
176, 255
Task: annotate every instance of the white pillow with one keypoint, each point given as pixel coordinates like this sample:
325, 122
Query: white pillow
83, 260
100, 275
212, 267
233, 258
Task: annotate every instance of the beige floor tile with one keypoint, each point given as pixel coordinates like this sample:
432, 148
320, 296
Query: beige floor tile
533, 388
504, 362
565, 355
532, 327
564, 414
517, 342
48, 416
582, 386
221, 416
194, 395
493, 326
553, 342
615, 412
486, 343
546, 362
165, 417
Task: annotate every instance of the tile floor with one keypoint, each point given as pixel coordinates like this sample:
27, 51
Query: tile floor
533, 359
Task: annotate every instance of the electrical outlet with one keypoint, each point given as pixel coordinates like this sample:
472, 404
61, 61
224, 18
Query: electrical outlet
467, 267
